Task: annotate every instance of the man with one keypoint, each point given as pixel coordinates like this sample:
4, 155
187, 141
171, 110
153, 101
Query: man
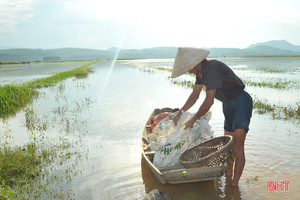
221, 83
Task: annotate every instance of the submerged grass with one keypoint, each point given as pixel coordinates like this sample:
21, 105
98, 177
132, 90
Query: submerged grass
183, 83
31, 171
267, 69
275, 85
277, 111
15, 97
261, 107
158, 68
52, 80
18, 166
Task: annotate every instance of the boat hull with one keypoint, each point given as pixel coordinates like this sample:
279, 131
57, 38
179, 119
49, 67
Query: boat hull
175, 174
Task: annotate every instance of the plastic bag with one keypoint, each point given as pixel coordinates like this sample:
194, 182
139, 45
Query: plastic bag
170, 141
158, 118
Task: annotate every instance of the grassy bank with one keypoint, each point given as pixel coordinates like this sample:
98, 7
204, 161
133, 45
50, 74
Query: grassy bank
15, 97
6, 62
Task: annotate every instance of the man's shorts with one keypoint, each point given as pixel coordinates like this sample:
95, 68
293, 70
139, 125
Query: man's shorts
238, 112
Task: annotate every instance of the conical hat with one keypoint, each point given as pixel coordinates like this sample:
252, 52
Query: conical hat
186, 59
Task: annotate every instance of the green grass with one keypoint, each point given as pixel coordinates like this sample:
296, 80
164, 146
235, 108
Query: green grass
183, 83
279, 84
15, 97
277, 111
19, 167
5, 62
30, 171
267, 69
158, 68
53, 80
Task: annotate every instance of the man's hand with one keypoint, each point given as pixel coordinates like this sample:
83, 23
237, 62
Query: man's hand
189, 124
176, 117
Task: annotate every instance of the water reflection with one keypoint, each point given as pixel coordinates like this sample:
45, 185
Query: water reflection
219, 188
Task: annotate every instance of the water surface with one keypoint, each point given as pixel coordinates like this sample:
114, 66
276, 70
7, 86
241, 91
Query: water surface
105, 114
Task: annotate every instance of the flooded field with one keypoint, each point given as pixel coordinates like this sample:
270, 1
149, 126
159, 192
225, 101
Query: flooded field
20, 73
97, 122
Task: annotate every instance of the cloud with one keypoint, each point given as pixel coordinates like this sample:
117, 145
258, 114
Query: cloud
12, 12
101, 23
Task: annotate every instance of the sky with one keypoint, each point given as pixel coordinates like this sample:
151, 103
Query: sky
136, 24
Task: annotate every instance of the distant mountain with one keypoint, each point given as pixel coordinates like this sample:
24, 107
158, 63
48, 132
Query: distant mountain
24, 54
113, 49
270, 48
80, 53
156, 52
266, 50
279, 44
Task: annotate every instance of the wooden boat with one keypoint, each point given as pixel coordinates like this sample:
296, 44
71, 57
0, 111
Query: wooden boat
175, 174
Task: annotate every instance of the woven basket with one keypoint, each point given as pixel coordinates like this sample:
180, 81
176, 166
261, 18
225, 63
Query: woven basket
211, 153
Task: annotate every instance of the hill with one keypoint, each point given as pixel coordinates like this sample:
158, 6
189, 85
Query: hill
278, 44
270, 48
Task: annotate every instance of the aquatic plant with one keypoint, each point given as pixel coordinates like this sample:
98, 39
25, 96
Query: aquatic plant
251, 180
27, 172
279, 84
266, 69
32, 122
271, 70
277, 111
147, 70
157, 68
184, 83
18, 166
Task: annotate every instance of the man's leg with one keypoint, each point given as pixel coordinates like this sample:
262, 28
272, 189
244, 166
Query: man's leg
229, 171
239, 136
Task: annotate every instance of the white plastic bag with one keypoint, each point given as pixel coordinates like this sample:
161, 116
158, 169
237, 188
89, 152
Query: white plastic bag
172, 141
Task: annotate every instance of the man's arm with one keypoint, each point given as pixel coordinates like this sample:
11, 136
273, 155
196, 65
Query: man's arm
190, 102
204, 108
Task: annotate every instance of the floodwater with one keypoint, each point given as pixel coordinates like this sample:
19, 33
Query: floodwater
20, 73
104, 115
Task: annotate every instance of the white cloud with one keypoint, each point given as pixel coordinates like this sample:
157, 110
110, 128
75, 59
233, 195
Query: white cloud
12, 12
101, 23
191, 22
